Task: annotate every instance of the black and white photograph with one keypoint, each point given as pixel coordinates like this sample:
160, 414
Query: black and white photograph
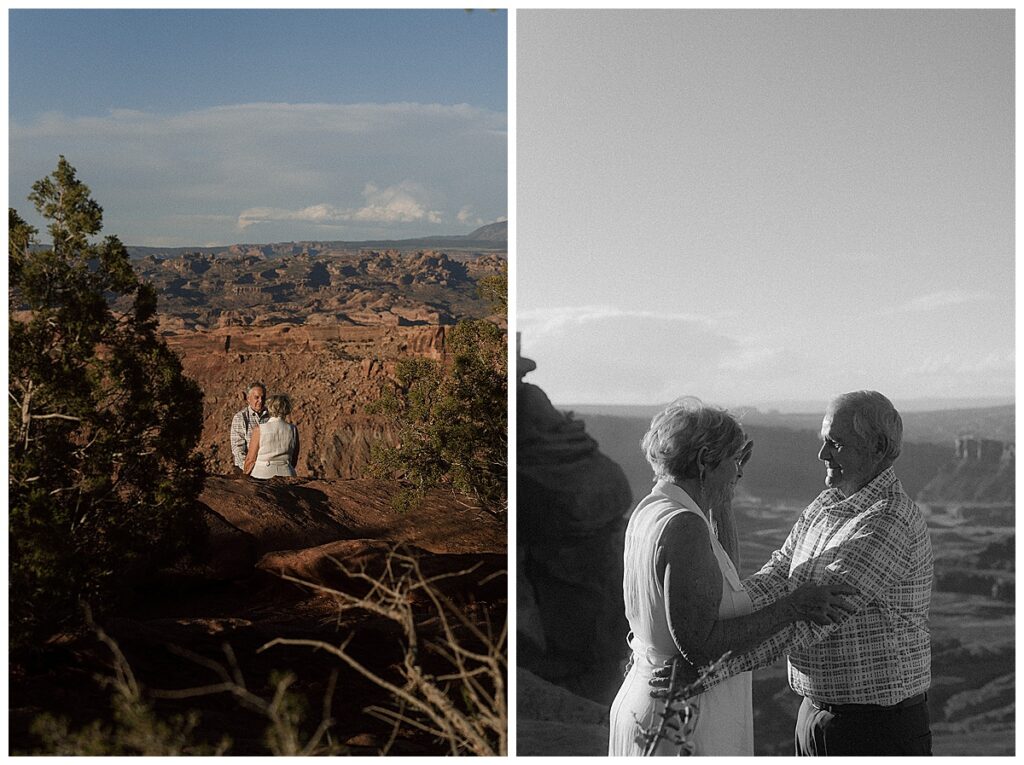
765, 420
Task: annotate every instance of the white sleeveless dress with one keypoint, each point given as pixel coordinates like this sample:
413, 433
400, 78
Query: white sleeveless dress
725, 724
277, 444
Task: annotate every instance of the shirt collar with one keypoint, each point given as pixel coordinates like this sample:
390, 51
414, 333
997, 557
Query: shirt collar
676, 494
862, 499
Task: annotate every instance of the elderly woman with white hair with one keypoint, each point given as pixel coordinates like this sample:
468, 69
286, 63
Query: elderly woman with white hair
682, 592
274, 448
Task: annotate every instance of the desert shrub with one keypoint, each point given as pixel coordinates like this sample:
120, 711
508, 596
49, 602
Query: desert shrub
135, 728
454, 669
452, 418
102, 420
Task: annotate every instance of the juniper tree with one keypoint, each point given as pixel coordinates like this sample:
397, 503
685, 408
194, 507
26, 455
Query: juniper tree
452, 419
102, 420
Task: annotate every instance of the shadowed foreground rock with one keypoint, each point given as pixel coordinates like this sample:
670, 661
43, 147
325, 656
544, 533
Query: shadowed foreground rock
231, 600
571, 509
553, 722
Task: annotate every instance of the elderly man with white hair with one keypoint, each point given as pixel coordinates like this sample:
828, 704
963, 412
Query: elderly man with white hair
863, 679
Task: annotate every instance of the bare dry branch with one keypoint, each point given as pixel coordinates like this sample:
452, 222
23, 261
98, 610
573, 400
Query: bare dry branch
465, 705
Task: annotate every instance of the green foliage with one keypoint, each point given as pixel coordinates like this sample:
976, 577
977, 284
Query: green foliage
135, 731
452, 418
102, 421
494, 289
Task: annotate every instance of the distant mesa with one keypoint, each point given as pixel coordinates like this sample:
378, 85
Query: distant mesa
972, 449
490, 238
492, 232
977, 485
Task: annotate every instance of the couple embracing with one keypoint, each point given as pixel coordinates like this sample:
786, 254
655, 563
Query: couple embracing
846, 597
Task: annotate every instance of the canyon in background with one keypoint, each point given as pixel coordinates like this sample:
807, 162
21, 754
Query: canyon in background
283, 560
580, 473
324, 322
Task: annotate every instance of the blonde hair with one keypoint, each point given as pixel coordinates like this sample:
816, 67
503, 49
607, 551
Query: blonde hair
279, 405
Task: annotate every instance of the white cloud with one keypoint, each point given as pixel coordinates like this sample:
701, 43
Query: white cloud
395, 204
549, 321
285, 166
601, 353
937, 365
466, 217
604, 354
936, 300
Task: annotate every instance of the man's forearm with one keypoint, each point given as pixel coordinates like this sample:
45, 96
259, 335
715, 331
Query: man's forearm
741, 633
765, 654
788, 639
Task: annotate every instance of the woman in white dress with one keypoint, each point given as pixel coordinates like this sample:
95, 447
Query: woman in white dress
682, 591
274, 445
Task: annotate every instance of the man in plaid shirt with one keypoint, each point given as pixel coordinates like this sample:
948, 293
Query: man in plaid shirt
253, 414
863, 678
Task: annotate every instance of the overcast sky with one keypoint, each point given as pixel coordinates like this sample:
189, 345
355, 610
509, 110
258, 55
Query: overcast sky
214, 127
755, 206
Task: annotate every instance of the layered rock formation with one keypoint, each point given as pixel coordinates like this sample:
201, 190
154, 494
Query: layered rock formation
492, 237
981, 472
240, 287
331, 373
326, 327
571, 508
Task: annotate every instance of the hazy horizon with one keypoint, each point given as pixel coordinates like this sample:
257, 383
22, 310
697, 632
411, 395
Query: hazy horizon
760, 205
41, 242
803, 407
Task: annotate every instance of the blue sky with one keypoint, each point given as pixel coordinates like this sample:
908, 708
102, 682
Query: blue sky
763, 206
212, 127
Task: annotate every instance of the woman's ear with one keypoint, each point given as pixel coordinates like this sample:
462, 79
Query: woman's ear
702, 460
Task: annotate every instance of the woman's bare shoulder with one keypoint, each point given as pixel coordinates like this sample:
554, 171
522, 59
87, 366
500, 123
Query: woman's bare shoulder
685, 531
685, 543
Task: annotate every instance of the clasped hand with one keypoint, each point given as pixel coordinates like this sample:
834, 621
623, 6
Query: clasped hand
822, 604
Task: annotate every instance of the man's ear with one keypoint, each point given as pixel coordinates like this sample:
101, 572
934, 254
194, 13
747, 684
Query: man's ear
878, 456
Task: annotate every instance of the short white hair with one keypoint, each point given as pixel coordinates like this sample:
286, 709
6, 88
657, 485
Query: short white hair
677, 435
875, 420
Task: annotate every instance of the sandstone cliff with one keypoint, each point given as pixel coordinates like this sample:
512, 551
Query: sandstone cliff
981, 471
331, 373
325, 327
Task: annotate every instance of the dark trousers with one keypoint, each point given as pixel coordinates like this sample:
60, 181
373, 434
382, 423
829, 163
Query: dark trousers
864, 731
